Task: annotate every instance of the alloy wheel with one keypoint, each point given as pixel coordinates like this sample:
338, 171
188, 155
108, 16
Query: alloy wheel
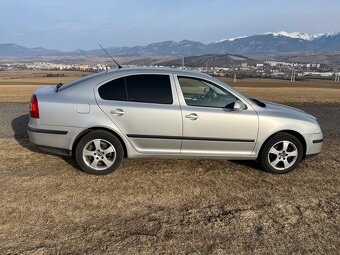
282, 155
99, 154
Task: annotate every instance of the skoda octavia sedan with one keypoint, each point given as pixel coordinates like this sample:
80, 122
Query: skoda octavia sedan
167, 113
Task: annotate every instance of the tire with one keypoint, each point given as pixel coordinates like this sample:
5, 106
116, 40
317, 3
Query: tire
99, 153
281, 154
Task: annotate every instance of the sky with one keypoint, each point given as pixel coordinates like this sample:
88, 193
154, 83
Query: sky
82, 24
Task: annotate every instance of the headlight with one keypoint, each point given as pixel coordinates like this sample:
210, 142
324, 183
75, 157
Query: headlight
318, 130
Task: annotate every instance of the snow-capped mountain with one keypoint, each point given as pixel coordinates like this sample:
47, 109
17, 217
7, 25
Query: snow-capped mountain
270, 42
294, 35
277, 42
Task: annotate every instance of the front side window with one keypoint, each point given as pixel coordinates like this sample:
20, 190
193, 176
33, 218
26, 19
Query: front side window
146, 88
198, 92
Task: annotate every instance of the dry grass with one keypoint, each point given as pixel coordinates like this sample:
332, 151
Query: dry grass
166, 206
252, 82
20, 74
16, 93
283, 91
17, 86
155, 206
294, 95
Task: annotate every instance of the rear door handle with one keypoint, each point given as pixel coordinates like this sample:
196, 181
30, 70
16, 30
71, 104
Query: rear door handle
192, 116
118, 112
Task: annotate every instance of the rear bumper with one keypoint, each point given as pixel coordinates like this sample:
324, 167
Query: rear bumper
52, 139
313, 143
46, 131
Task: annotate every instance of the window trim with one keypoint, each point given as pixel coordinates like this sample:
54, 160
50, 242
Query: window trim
126, 88
213, 83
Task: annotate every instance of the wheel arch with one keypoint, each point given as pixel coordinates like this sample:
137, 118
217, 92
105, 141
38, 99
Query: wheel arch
86, 131
291, 132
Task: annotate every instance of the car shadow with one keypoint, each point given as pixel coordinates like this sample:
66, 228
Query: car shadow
249, 163
19, 127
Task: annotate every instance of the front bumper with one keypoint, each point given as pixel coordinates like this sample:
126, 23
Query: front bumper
313, 143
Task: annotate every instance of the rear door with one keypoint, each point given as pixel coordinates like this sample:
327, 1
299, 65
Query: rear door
145, 108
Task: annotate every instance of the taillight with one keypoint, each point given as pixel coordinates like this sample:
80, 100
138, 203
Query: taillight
34, 108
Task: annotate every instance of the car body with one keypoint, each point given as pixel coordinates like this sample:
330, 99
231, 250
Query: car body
168, 113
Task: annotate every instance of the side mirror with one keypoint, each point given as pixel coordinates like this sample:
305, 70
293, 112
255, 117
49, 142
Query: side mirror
206, 90
239, 105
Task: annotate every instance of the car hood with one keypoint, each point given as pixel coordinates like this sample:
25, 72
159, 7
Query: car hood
287, 110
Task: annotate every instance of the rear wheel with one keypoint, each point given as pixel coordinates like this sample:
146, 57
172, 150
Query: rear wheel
99, 152
281, 154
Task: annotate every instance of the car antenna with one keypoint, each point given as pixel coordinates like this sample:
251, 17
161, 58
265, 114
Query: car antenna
119, 66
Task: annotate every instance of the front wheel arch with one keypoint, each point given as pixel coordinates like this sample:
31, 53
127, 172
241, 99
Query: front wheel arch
291, 132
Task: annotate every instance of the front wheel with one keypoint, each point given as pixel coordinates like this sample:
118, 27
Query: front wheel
99, 153
282, 153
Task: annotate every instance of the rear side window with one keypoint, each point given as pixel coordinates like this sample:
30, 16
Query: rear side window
114, 90
149, 89
146, 88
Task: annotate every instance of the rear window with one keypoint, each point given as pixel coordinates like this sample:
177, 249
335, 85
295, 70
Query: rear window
146, 88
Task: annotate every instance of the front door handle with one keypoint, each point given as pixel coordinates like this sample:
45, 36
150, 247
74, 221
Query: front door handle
118, 112
192, 116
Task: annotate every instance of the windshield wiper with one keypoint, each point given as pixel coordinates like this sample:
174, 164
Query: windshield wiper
58, 87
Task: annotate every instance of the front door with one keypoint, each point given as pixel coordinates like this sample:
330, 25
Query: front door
210, 125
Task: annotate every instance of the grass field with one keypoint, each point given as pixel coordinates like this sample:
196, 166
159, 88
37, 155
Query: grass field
283, 91
166, 206
152, 206
17, 86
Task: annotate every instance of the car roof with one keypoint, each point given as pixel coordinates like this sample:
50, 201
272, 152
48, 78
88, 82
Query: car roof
105, 75
157, 70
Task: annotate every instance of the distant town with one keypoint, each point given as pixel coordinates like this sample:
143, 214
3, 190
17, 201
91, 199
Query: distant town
266, 69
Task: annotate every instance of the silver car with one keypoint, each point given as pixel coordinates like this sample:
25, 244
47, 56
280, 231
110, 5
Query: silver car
167, 113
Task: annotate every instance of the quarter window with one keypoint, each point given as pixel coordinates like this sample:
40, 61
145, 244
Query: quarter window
198, 92
114, 90
148, 88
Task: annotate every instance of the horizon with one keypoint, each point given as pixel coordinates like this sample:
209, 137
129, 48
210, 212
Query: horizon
69, 26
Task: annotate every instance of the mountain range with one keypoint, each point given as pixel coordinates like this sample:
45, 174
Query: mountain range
267, 43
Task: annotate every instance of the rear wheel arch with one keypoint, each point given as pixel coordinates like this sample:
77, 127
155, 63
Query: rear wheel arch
291, 132
84, 132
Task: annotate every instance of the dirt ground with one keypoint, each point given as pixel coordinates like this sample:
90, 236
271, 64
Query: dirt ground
155, 206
